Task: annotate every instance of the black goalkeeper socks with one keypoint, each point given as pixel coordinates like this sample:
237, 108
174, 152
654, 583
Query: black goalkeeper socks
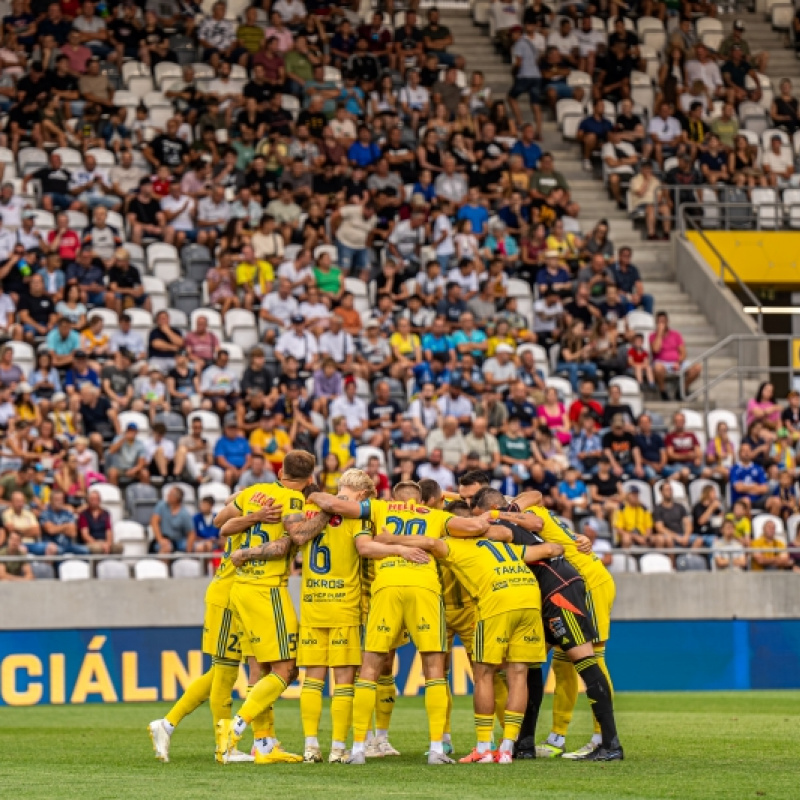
599, 693
535, 695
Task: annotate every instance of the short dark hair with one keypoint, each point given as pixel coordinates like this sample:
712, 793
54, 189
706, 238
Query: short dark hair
472, 477
430, 490
488, 498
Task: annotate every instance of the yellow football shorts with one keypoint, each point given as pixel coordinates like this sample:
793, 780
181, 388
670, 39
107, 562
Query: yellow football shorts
600, 602
516, 636
268, 619
419, 611
460, 622
330, 647
402, 636
222, 633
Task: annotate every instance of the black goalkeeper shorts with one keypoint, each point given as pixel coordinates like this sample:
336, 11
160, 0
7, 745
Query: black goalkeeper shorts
567, 623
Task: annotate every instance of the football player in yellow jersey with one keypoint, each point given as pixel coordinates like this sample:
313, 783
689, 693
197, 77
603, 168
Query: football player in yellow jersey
330, 612
404, 595
221, 641
600, 594
261, 602
508, 626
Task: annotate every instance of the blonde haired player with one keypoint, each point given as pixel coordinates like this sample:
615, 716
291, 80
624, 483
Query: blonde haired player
222, 640
261, 602
508, 628
404, 595
330, 612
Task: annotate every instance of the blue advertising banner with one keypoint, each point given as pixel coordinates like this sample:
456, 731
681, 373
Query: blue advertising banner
149, 664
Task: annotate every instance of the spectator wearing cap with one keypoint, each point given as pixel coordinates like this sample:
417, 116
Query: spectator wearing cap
436, 470
126, 457
14, 570
736, 39
500, 370
80, 373
633, 524
62, 342
232, 453
777, 163
300, 344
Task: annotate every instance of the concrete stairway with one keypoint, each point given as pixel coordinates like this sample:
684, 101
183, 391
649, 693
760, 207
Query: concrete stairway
652, 258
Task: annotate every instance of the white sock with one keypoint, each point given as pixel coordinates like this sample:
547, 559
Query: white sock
168, 726
370, 737
484, 747
597, 738
446, 738
311, 741
338, 745
264, 745
272, 742
358, 747
556, 739
436, 747
380, 733
507, 745
239, 725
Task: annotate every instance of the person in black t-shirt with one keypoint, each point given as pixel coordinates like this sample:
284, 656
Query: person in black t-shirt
258, 88
544, 481
605, 492
168, 150
408, 43
125, 283
622, 34
125, 33
54, 24
36, 310
383, 414
279, 120
64, 87
146, 217
614, 83
619, 447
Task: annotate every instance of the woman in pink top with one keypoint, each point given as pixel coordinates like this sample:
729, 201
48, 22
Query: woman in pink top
764, 408
669, 353
554, 414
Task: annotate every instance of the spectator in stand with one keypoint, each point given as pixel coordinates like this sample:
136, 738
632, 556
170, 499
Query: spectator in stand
628, 280
605, 490
708, 513
173, 528
646, 195
434, 469
527, 75
748, 481
729, 552
720, 454
202, 345
633, 523
684, 454
763, 408
95, 527
14, 570
665, 132
585, 447
59, 526
619, 447
672, 521
669, 356
593, 133
773, 555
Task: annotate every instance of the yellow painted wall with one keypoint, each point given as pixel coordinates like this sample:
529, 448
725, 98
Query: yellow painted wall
760, 258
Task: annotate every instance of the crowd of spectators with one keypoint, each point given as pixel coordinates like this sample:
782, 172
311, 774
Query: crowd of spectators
385, 269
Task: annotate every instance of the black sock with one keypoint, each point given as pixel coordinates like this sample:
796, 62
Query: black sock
535, 696
599, 693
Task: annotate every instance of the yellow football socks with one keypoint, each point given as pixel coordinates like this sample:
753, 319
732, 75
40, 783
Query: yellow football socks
197, 692
384, 702
512, 725
484, 725
311, 705
436, 707
264, 694
364, 695
566, 692
225, 675
342, 711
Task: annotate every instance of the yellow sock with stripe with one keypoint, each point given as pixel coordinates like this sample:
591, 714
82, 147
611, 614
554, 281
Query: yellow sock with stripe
511, 729
566, 693
500, 697
600, 655
264, 694
384, 702
484, 726
436, 708
311, 708
197, 692
225, 673
364, 694
263, 724
342, 713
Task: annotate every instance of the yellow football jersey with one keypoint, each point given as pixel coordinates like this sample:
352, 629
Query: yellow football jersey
331, 579
454, 594
219, 589
273, 572
589, 565
407, 519
494, 574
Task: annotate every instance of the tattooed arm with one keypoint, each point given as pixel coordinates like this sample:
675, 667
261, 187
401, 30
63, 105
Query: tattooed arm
270, 512
302, 530
271, 551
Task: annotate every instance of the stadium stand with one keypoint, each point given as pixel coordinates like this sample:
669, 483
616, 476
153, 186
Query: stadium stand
432, 244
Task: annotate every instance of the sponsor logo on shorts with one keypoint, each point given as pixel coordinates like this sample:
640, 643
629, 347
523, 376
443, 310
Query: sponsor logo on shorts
383, 627
307, 598
321, 583
556, 626
530, 639
341, 642
255, 640
500, 585
502, 640
423, 626
308, 642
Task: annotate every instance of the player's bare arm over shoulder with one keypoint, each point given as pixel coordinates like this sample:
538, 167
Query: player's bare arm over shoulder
528, 499
230, 519
537, 552
303, 529
336, 505
468, 527
271, 551
388, 547
426, 544
532, 522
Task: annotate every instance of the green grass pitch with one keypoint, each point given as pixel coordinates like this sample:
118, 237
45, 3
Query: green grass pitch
687, 746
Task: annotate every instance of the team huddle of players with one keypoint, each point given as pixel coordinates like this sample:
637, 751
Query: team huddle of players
510, 580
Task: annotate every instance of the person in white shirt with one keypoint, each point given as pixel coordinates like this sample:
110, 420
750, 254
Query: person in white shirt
213, 213
219, 383
414, 100
352, 227
7, 310
300, 344
179, 211
316, 313
589, 39
7, 242
29, 235
160, 452
703, 68
436, 471
277, 309
777, 163
93, 186
407, 237
666, 133
424, 411
565, 41
292, 12
338, 344
450, 186
11, 206
442, 237
226, 91
351, 407
466, 276
298, 272
505, 14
